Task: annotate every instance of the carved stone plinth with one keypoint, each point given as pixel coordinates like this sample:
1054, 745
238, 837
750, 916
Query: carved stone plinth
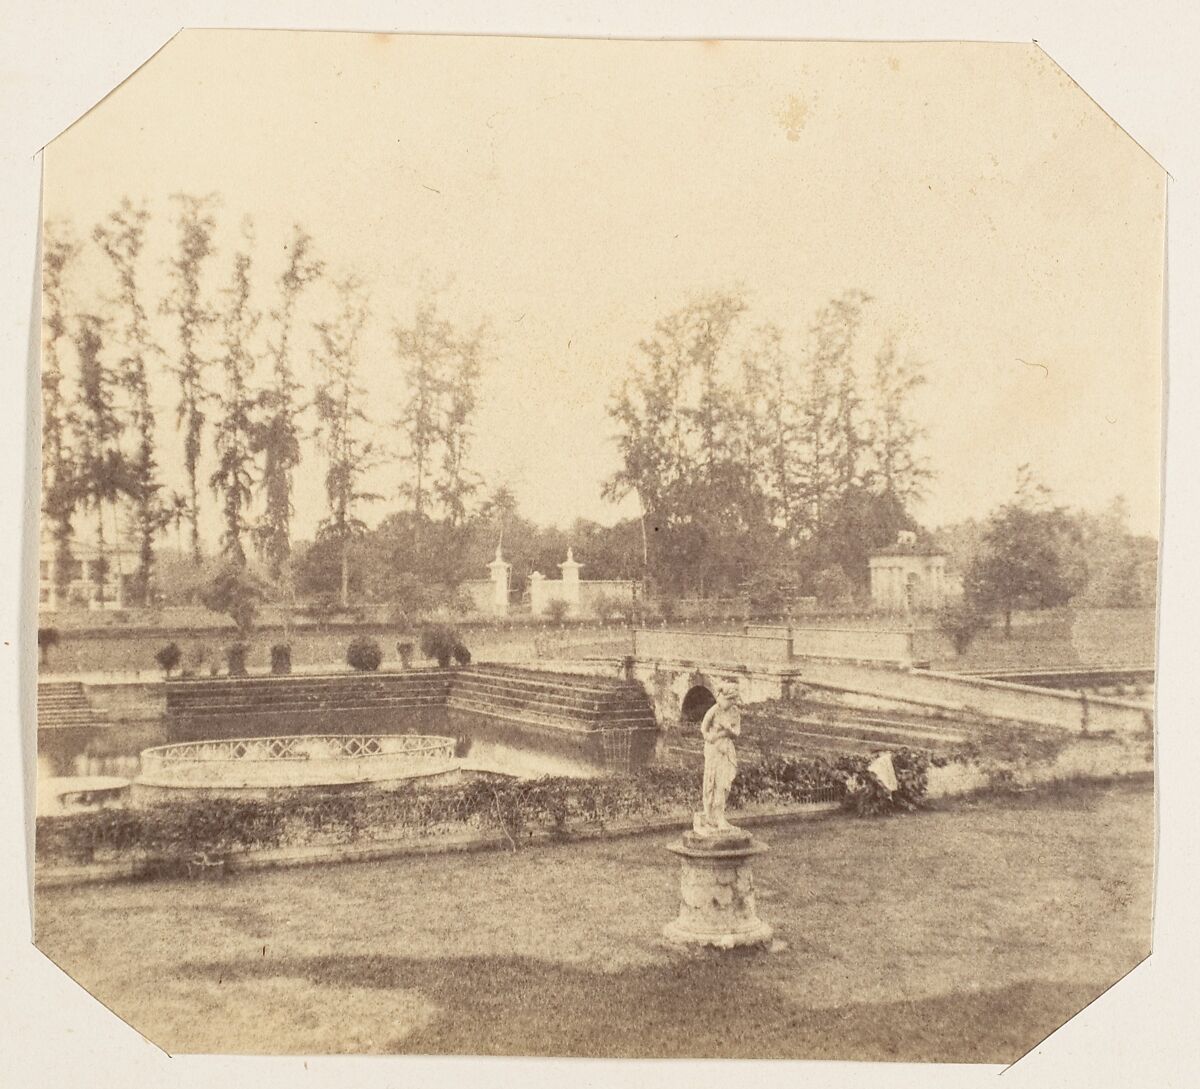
716, 890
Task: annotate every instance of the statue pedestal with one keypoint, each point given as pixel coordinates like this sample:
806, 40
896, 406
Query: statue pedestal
716, 890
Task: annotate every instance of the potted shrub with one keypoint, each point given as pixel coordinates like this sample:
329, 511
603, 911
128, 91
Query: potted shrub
405, 650
364, 654
235, 659
441, 642
48, 638
168, 658
281, 659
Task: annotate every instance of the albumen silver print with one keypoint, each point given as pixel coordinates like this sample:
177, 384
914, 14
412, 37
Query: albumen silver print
587, 548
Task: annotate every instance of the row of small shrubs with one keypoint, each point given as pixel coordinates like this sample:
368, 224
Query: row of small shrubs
439, 642
169, 656
180, 832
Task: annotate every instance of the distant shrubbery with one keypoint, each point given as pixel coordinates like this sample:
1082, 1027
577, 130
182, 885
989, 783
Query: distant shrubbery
833, 586
961, 622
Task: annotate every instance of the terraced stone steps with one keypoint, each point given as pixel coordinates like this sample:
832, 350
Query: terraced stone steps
559, 695
575, 682
593, 703
873, 730
559, 701
287, 694
64, 704
528, 716
830, 731
518, 710
587, 704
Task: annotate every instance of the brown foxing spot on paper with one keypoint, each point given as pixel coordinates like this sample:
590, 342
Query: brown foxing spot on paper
793, 116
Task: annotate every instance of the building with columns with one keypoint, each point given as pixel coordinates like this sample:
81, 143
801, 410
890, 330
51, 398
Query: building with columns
85, 588
908, 576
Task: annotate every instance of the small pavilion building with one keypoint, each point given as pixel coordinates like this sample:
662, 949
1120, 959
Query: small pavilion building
908, 576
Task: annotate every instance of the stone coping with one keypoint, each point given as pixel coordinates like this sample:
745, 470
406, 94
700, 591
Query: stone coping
49, 876
953, 782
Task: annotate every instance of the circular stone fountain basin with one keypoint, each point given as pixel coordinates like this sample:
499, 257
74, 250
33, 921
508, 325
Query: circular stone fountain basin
249, 765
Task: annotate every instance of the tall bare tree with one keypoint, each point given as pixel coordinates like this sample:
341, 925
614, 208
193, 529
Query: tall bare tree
422, 350
441, 365
278, 437
771, 384
340, 418
102, 469
60, 484
894, 435
233, 480
185, 302
456, 483
122, 237
830, 409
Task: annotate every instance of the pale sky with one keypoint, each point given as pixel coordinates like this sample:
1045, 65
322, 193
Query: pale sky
576, 191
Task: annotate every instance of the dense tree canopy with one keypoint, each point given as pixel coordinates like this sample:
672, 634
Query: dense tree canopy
743, 456
1029, 556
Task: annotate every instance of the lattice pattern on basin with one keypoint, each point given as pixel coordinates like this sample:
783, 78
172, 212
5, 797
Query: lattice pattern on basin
242, 751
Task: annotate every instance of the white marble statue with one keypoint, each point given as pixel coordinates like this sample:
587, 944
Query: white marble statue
721, 725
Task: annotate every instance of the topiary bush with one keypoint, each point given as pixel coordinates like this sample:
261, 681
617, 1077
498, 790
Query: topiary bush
168, 658
281, 659
364, 654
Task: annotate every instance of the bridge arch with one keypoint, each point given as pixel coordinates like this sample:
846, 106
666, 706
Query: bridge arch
696, 702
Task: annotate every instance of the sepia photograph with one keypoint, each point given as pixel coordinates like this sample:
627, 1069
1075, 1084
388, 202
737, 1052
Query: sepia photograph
599, 549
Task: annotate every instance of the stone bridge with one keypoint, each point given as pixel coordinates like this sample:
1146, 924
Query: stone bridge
865, 669
682, 670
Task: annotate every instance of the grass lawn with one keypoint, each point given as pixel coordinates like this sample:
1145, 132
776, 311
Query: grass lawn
965, 933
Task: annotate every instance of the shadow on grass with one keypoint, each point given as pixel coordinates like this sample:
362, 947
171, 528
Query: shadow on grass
694, 1006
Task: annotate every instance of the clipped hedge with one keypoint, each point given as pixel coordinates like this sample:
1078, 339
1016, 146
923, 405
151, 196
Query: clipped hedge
169, 836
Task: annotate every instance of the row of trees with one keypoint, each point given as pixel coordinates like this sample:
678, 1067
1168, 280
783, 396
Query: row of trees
743, 453
757, 461
244, 386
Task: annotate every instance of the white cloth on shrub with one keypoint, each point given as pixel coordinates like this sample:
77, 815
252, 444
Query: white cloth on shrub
884, 770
